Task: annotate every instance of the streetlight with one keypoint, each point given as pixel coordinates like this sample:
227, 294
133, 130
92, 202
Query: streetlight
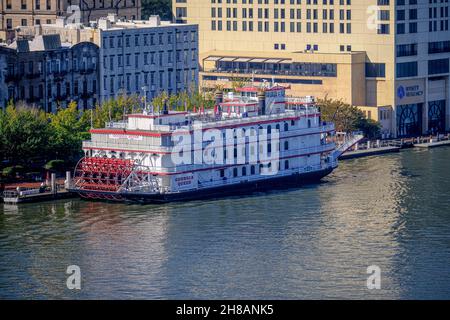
145, 89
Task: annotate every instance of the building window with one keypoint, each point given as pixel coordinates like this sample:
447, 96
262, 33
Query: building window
413, 27
438, 66
383, 29
383, 15
406, 50
406, 69
375, 70
438, 47
412, 14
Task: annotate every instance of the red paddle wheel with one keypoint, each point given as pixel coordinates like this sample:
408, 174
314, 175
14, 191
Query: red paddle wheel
102, 174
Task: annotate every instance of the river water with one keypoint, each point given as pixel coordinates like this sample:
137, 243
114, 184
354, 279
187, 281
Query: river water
317, 241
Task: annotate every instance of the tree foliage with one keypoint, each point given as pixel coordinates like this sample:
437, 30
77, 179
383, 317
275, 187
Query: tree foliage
112, 110
347, 118
24, 134
185, 100
163, 8
68, 129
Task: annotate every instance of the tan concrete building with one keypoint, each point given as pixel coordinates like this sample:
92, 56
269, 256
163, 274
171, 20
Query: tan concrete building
22, 13
384, 54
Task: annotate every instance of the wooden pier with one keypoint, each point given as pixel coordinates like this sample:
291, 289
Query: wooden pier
368, 152
35, 192
15, 198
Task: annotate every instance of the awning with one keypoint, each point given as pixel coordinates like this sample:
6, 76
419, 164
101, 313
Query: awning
258, 60
213, 58
273, 60
242, 60
228, 59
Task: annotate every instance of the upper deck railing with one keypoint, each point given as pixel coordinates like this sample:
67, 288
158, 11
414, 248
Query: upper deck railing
209, 121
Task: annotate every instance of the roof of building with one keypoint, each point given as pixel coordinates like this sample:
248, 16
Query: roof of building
39, 43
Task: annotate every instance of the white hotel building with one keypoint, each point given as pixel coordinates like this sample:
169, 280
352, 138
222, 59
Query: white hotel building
150, 55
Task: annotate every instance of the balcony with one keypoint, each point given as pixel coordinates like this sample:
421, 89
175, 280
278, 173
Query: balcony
266, 66
274, 72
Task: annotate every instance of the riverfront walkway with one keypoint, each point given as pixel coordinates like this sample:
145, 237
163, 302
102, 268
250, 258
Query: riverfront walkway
378, 147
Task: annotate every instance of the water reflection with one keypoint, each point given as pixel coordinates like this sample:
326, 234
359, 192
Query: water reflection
313, 242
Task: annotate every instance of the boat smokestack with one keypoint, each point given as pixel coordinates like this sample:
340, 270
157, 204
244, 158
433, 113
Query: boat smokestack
261, 102
218, 96
165, 108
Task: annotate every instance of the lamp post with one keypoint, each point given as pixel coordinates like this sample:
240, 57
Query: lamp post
145, 89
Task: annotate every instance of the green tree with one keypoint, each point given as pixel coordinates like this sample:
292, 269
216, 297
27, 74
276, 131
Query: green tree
159, 100
239, 83
24, 134
68, 130
163, 8
347, 118
173, 101
112, 110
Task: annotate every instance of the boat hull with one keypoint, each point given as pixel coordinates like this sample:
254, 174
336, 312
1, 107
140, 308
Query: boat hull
247, 187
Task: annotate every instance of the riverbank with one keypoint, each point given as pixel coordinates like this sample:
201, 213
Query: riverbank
380, 147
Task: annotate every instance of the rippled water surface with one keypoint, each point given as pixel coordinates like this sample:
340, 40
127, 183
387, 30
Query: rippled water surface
313, 242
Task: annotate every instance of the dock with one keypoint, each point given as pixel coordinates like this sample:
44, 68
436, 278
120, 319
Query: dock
35, 192
368, 152
10, 198
433, 144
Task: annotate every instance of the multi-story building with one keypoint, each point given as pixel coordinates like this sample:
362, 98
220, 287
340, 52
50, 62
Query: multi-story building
143, 57
389, 57
21, 13
49, 74
146, 57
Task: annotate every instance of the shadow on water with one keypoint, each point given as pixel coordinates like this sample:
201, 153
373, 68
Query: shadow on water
310, 242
